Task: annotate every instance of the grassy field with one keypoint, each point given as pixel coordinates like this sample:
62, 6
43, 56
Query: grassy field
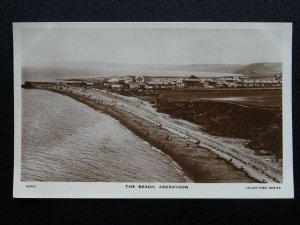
222, 112
266, 98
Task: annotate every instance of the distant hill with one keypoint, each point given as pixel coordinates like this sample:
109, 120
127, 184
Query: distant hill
254, 69
260, 69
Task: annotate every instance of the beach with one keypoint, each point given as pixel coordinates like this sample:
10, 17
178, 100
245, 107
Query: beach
199, 164
203, 157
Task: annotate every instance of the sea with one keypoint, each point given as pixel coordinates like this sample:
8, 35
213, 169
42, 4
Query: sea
66, 141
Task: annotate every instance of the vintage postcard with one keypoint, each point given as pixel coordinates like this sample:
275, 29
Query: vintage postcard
153, 110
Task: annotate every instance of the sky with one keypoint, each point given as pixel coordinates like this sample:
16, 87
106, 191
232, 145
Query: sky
151, 46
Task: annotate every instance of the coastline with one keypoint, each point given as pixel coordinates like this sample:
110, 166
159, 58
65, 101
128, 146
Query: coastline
199, 164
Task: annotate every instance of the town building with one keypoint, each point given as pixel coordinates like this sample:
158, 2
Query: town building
192, 82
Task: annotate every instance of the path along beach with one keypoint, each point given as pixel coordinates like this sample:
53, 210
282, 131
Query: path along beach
204, 158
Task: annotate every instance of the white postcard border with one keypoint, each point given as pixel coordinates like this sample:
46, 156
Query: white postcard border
193, 190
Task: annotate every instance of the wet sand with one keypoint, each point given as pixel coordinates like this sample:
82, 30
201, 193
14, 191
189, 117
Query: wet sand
199, 164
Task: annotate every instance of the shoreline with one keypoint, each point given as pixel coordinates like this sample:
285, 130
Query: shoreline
198, 164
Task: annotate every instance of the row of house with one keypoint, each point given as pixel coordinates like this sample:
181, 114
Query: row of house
148, 82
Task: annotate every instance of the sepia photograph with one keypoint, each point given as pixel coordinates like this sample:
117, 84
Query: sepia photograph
149, 110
